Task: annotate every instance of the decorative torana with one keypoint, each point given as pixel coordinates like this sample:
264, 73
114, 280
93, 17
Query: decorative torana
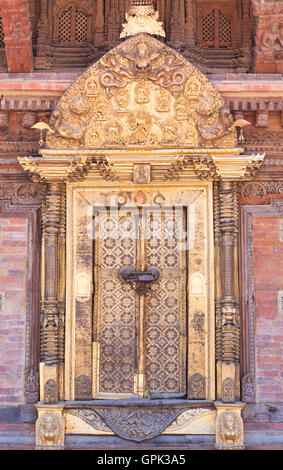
142, 114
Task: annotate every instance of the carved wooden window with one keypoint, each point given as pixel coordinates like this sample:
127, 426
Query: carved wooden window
2, 45
216, 25
74, 26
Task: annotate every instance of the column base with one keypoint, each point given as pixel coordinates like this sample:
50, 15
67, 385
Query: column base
229, 426
50, 427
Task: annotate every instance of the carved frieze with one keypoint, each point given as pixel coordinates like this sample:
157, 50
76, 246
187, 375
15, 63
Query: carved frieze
260, 192
21, 193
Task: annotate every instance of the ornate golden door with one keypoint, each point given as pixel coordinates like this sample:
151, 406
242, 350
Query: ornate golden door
140, 327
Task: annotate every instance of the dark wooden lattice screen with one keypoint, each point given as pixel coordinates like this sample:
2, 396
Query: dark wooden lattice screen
73, 26
81, 27
65, 26
215, 28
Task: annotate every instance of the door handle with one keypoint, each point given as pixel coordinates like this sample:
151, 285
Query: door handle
140, 281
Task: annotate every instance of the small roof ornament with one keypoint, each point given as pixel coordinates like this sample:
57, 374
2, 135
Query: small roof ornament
142, 18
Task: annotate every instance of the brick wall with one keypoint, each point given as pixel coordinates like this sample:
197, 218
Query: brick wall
13, 268
268, 259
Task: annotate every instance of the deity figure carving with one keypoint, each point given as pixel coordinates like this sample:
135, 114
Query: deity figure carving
163, 101
142, 92
192, 89
272, 38
122, 101
170, 132
113, 133
140, 125
91, 87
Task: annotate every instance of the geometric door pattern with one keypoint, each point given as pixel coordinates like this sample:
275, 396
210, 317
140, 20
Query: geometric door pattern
141, 241
165, 304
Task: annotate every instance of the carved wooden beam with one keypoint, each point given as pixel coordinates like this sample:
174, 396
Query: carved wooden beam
18, 37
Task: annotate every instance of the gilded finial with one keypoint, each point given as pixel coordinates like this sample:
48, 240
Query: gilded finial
142, 18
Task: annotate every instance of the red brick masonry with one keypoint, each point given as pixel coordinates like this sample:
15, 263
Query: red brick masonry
13, 269
268, 255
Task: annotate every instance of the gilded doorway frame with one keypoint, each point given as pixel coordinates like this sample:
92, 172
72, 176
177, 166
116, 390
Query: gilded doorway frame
202, 385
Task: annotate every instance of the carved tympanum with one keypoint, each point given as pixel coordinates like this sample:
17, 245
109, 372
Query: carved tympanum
134, 96
229, 431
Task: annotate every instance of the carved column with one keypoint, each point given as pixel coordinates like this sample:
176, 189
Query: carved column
99, 23
229, 293
190, 23
229, 424
43, 30
113, 23
177, 36
52, 314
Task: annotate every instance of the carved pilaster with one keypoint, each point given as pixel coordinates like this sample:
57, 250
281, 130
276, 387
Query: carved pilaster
190, 23
227, 307
99, 23
177, 35
43, 30
53, 311
218, 290
113, 24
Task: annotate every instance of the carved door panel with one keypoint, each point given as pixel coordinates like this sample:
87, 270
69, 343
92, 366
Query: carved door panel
140, 339
115, 312
165, 304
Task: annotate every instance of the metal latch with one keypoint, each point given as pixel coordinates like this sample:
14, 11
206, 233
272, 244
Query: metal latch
139, 280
